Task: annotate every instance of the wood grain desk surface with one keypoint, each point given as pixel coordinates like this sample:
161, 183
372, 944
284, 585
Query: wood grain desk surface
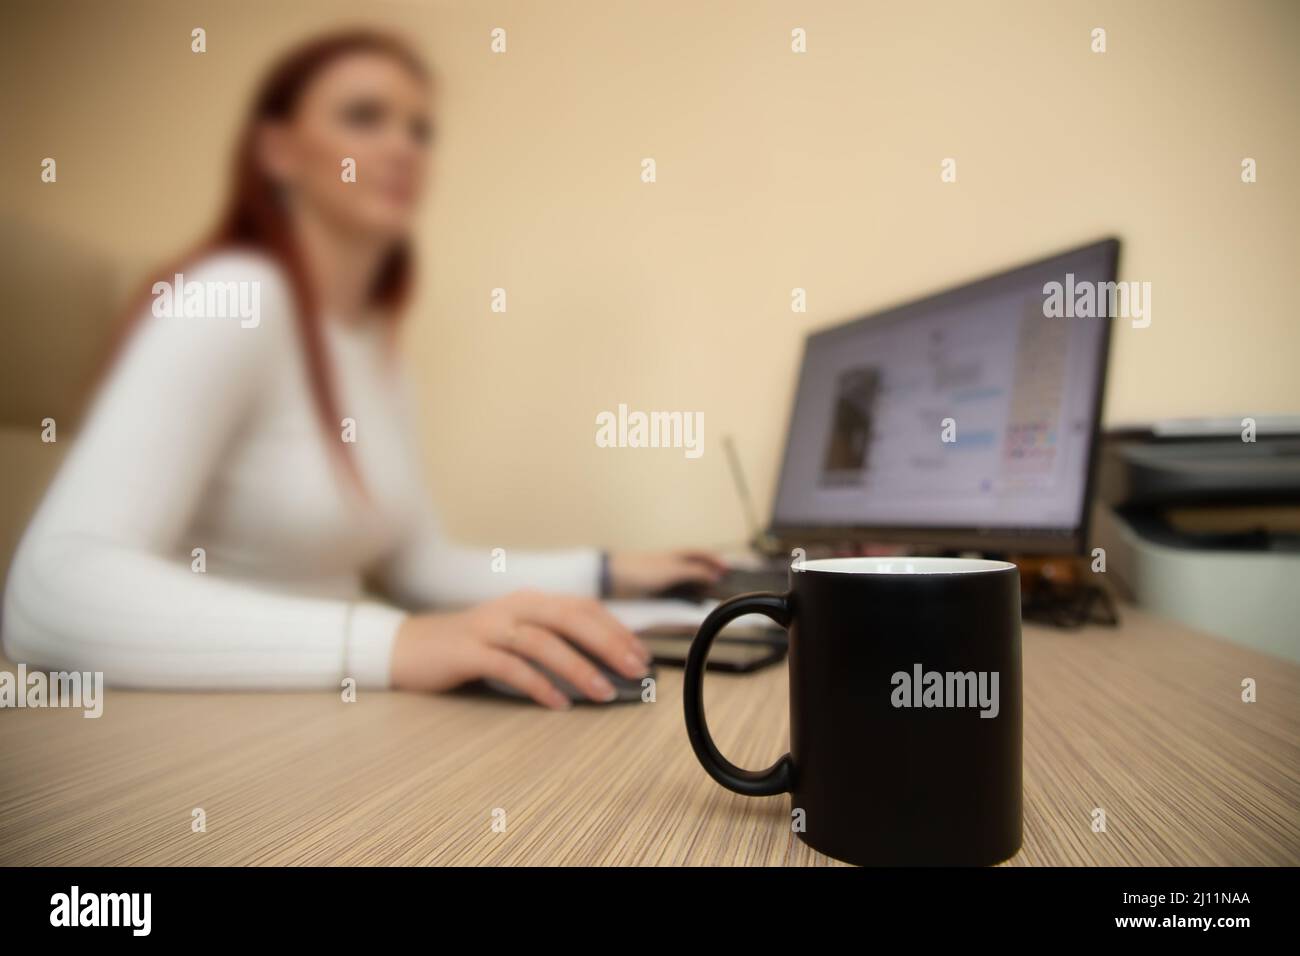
1146, 722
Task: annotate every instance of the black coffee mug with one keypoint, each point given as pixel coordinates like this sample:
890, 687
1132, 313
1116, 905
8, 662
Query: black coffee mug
905, 709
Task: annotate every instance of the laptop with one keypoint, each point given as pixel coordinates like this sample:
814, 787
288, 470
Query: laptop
963, 421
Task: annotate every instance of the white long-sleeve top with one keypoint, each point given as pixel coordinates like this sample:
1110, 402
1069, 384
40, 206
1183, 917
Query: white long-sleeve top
205, 435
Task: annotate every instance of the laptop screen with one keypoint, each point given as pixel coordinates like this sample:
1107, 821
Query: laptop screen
974, 409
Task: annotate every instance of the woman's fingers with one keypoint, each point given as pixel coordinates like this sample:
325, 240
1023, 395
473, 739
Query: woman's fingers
714, 562
591, 627
684, 570
514, 671
559, 657
637, 650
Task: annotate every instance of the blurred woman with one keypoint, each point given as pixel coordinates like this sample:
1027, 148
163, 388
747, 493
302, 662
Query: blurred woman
248, 462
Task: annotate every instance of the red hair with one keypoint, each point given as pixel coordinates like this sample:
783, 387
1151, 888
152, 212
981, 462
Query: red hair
255, 218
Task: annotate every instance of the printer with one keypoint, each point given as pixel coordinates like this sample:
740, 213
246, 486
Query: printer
1199, 520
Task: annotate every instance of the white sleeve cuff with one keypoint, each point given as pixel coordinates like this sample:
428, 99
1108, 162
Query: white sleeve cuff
368, 655
576, 571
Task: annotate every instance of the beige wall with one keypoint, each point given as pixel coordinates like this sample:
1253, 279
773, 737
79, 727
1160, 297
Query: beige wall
775, 171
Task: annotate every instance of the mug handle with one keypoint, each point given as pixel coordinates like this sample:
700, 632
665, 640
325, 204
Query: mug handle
778, 778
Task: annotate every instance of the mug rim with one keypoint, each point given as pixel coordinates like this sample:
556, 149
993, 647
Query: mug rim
911, 566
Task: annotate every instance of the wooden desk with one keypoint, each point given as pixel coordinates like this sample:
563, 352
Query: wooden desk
1146, 722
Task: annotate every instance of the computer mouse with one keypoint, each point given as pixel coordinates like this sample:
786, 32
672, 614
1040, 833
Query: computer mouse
628, 688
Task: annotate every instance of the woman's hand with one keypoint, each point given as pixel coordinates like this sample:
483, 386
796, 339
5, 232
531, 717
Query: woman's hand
641, 574
435, 652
